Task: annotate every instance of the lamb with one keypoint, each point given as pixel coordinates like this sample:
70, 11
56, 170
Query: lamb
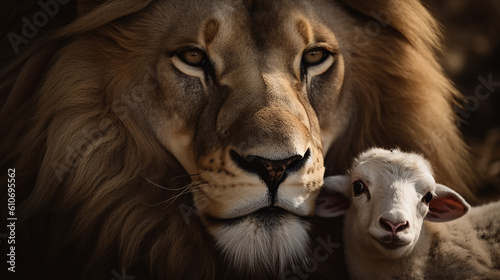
400, 224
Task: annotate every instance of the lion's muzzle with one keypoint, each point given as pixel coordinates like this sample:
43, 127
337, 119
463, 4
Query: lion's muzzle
272, 172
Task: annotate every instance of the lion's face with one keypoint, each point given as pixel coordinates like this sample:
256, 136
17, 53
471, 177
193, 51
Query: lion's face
242, 89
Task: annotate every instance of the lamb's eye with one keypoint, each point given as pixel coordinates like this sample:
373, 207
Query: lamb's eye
427, 197
193, 57
315, 56
358, 187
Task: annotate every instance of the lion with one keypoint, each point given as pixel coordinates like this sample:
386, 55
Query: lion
169, 140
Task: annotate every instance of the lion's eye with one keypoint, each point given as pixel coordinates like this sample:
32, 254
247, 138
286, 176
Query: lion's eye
314, 56
193, 57
315, 61
427, 198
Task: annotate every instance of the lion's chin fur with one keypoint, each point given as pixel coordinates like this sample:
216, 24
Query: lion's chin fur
262, 248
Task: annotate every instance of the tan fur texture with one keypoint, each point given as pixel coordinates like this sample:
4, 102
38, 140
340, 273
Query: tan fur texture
125, 154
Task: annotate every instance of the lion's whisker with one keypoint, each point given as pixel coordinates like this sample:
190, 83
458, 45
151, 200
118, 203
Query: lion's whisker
191, 187
186, 175
186, 190
165, 188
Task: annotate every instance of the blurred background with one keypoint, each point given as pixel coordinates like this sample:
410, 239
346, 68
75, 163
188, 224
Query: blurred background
472, 60
472, 33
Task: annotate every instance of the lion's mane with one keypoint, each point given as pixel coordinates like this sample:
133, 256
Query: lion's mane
88, 173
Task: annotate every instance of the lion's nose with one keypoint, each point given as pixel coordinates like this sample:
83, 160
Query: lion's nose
272, 172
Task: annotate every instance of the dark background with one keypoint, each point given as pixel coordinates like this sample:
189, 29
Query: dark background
472, 34
472, 37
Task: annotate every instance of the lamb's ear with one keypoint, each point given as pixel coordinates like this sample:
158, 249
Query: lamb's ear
447, 205
333, 199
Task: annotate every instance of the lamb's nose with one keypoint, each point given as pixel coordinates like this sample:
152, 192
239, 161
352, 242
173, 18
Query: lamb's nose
272, 172
393, 227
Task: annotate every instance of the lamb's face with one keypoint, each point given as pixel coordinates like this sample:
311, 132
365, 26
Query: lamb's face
390, 196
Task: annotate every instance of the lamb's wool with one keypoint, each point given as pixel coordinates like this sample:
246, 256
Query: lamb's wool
465, 248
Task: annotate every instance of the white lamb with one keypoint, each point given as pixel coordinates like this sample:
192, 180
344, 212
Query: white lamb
390, 229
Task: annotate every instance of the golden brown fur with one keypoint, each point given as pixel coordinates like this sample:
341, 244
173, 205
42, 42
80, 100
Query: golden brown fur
91, 135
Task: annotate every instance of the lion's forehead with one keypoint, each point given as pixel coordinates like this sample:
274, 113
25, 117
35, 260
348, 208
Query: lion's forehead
248, 32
